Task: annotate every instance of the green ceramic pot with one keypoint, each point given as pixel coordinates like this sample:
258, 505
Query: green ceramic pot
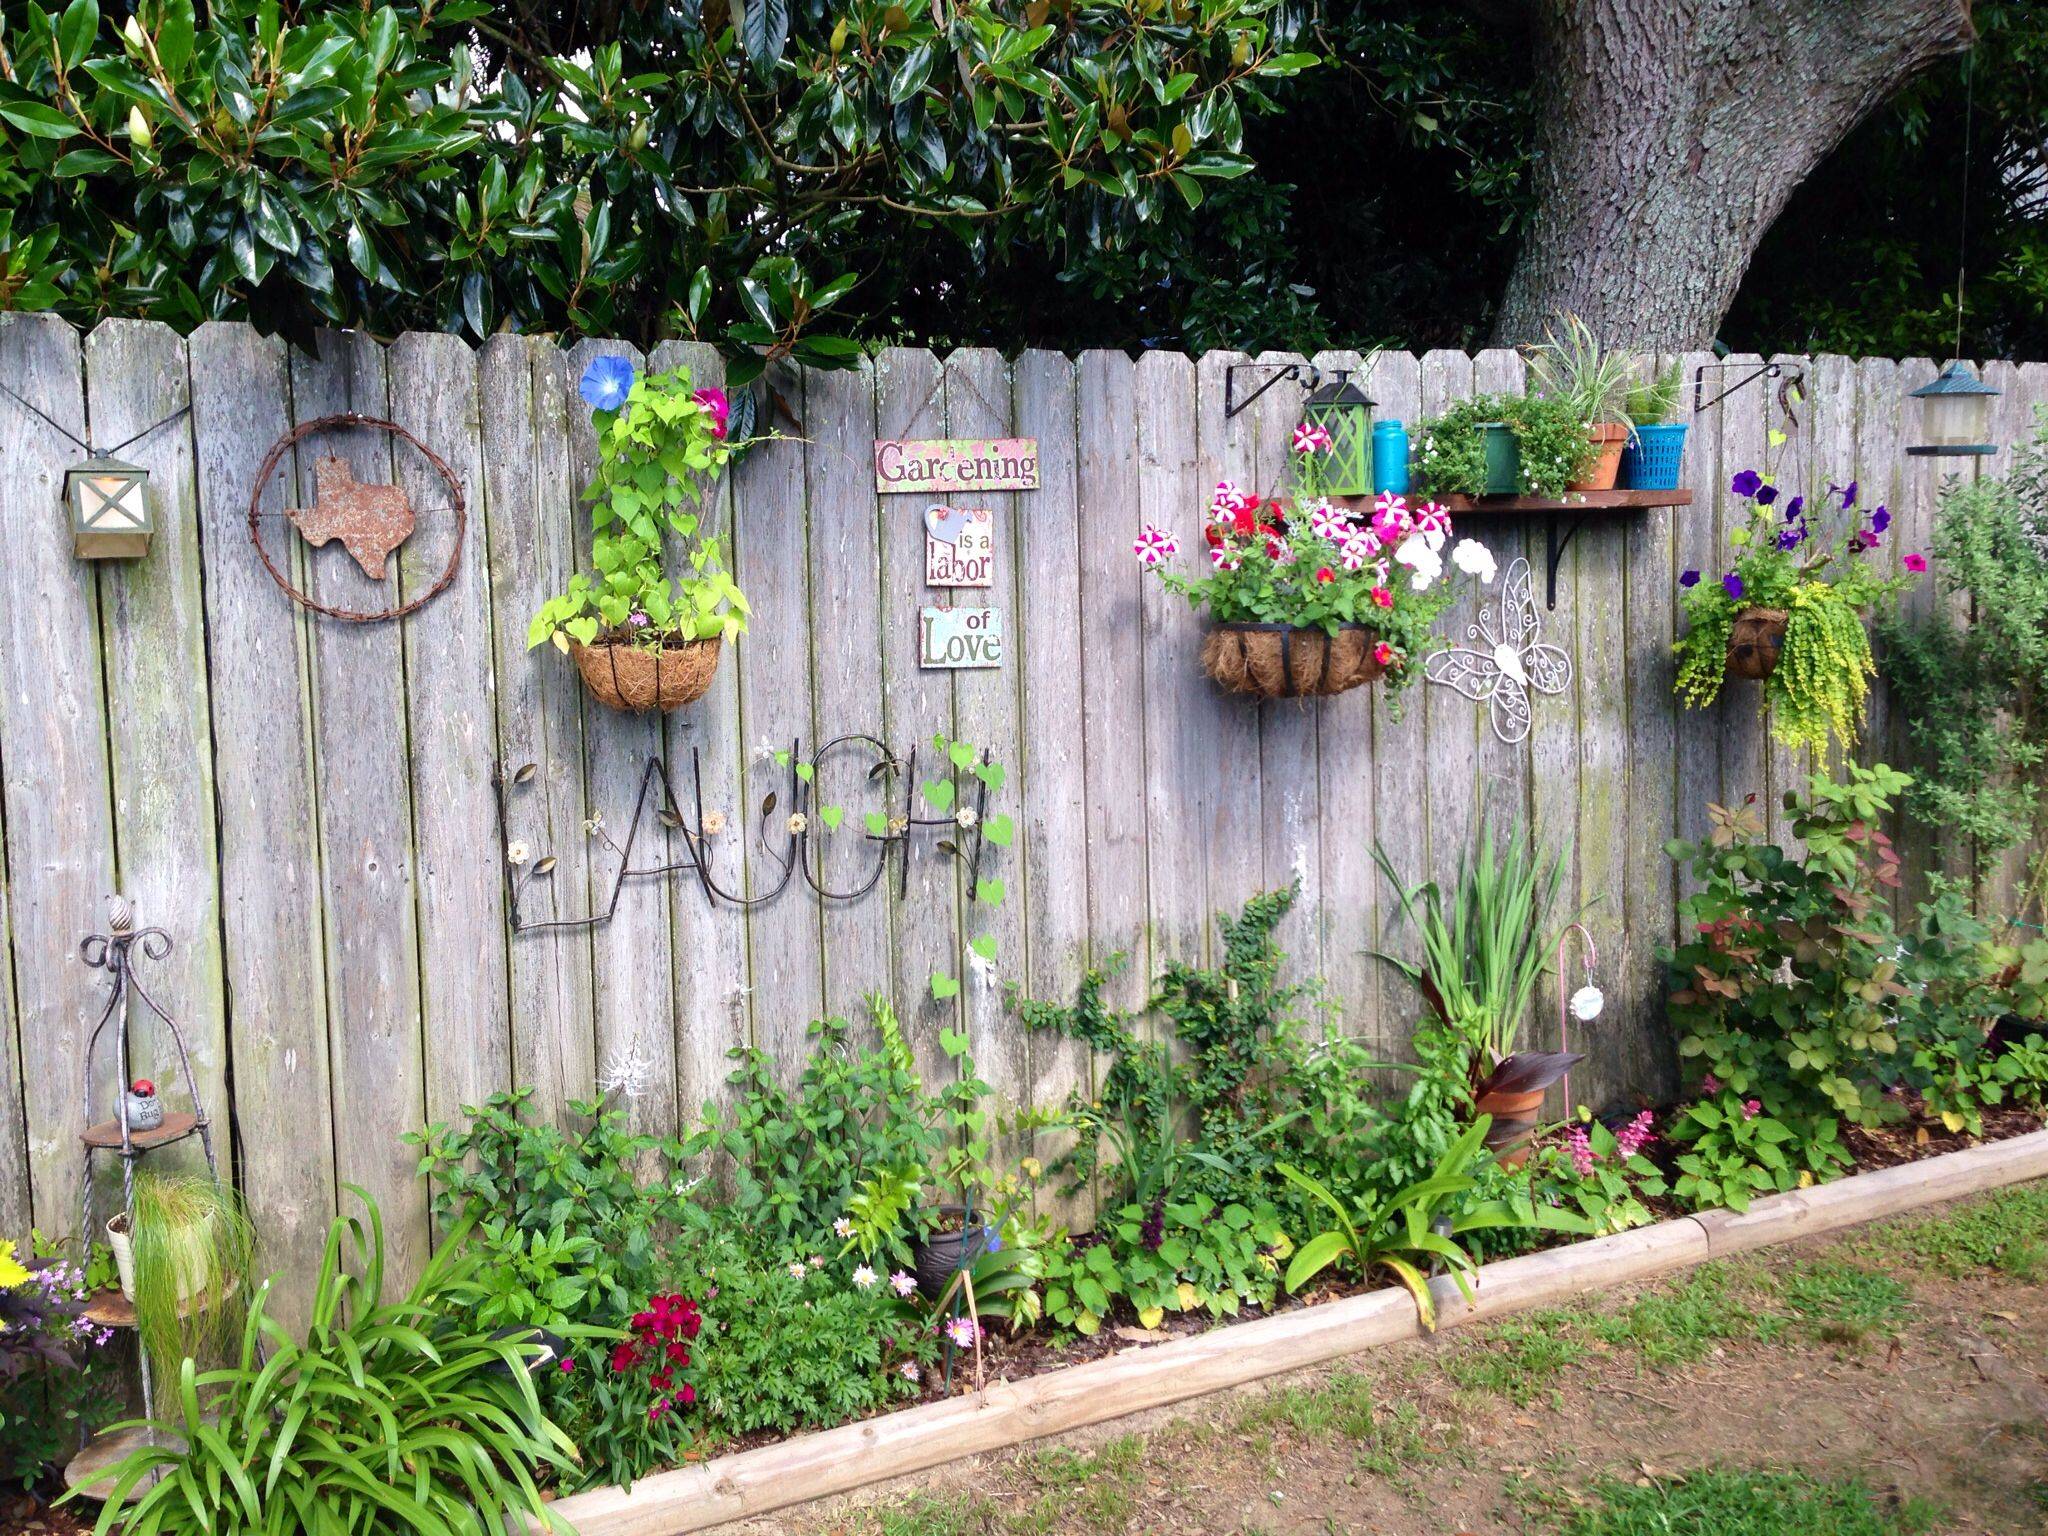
1503, 459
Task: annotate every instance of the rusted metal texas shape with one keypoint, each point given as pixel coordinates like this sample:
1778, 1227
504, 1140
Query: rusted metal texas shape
370, 520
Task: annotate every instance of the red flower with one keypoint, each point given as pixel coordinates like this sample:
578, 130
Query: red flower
567, 1365
1382, 598
679, 1354
1214, 534
661, 1380
1326, 574
1244, 521
625, 1355
1383, 653
687, 1396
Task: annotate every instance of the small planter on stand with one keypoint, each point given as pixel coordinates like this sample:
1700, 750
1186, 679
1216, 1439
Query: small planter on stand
1279, 661
1756, 641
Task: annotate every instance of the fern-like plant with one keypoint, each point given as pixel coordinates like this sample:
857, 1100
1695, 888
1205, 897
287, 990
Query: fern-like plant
404, 1418
195, 1253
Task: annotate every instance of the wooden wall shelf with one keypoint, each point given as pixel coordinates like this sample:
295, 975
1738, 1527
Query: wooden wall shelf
1576, 505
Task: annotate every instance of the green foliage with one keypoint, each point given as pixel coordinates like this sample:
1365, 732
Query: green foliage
798, 1156
1733, 1151
383, 167
1739, 1503
1166, 1256
194, 1259
572, 1222
795, 1343
401, 1418
1653, 400
1612, 1194
1575, 369
1782, 561
1550, 431
1485, 945
657, 457
2006, 1232
58, 1378
1970, 674
1412, 1230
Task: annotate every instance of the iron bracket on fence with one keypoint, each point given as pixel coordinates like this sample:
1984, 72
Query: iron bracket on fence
1554, 548
1788, 377
1307, 375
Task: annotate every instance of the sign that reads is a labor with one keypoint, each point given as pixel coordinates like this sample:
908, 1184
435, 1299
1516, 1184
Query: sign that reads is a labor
959, 546
957, 464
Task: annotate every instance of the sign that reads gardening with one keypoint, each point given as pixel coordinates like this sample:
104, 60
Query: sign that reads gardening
960, 637
957, 464
959, 547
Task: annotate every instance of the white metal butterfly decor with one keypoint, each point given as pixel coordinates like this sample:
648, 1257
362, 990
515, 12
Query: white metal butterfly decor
1508, 659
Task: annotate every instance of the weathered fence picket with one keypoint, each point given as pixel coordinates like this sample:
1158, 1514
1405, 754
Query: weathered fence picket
308, 806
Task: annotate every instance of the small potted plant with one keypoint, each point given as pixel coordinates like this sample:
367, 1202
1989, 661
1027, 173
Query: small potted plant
1593, 384
1789, 612
642, 639
1656, 443
1317, 599
1504, 445
182, 1255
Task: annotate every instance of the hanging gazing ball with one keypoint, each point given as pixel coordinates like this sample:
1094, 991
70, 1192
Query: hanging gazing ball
1587, 1003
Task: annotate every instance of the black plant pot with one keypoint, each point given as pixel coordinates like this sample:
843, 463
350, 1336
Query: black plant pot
942, 1254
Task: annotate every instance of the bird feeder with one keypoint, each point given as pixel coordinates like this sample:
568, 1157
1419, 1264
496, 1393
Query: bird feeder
1341, 409
1955, 419
110, 517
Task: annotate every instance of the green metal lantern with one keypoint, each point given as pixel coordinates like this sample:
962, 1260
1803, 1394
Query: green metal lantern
110, 516
1955, 414
1342, 410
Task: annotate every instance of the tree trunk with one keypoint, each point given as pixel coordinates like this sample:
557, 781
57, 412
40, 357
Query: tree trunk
1675, 130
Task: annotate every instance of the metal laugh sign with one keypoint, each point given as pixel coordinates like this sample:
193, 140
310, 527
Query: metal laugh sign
957, 464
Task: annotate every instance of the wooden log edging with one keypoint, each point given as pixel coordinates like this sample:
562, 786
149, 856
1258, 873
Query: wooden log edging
833, 1461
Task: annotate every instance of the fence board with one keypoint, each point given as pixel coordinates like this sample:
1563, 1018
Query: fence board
523, 404
16, 1213
1701, 554
363, 800
272, 918
1739, 725
158, 732
1449, 730
1916, 492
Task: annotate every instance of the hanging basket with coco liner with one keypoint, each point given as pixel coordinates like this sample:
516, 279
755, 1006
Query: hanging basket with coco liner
1755, 641
641, 639
1279, 661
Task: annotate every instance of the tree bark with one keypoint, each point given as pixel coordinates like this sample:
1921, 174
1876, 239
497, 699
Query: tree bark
1673, 133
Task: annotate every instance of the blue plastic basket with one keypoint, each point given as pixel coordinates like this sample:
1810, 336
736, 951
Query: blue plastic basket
1650, 460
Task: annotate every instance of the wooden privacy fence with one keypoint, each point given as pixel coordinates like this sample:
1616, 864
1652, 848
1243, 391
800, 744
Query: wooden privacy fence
307, 805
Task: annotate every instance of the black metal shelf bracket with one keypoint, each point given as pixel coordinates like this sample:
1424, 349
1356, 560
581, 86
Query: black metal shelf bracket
1788, 377
1554, 548
1308, 375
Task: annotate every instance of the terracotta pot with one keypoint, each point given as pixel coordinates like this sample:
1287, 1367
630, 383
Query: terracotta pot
1514, 1119
1609, 438
641, 677
1278, 661
1756, 641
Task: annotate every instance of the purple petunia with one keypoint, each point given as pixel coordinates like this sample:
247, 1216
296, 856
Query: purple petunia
1795, 508
1689, 579
1732, 584
1766, 494
1846, 492
1791, 538
1746, 484
1881, 519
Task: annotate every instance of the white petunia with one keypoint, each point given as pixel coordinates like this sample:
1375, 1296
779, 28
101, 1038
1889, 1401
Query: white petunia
1475, 559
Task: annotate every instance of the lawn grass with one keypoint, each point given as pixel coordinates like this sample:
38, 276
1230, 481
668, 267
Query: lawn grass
1725, 1503
2006, 1232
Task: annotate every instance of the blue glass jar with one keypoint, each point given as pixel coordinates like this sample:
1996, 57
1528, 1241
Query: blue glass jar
1390, 457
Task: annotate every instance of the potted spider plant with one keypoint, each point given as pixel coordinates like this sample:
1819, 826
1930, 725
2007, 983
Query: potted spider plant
641, 638
1483, 948
1573, 367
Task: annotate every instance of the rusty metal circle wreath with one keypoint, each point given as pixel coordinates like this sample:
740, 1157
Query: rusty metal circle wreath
356, 419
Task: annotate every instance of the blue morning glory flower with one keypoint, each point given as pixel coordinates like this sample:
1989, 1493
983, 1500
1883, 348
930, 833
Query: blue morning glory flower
1732, 584
1689, 579
606, 383
1746, 484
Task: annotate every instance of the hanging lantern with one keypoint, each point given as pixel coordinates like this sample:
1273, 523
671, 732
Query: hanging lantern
1341, 409
1955, 414
110, 517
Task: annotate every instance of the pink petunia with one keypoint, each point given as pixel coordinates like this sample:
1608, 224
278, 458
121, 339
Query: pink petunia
1223, 559
1916, 563
1310, 438
1155, 545
1382, 598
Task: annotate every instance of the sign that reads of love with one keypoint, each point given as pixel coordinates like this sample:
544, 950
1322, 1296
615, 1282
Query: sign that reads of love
959, 547
960, 637
957, 464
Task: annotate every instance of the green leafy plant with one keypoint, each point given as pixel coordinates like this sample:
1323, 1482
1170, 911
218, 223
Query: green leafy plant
400, 1418
1970, 673
660, 445
1551, 433
1734, 1150
1652, 400
1783, 562
1603, 1175
1573, 367
1165, 1256
572, 1222
1408, 1231
195, 1256
57, 1373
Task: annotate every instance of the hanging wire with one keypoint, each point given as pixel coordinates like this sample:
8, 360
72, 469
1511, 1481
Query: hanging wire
85, 447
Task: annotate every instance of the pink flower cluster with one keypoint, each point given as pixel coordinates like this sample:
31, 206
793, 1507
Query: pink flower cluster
660, 1340
1580, 1146
1311, 438
1634, 1136
1628, 1141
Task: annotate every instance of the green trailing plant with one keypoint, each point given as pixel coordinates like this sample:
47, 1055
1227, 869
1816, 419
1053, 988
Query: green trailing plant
1550, 432
1784, 561
1970, 674
1485, 945
573, 1222
1411, 1230
1570, 365
660, 444
195, 1256
387, 1418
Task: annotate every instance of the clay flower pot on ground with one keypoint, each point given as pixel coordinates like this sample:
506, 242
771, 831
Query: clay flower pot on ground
1512, 1093
628, 675
955, 1246
641, 639
1278, 661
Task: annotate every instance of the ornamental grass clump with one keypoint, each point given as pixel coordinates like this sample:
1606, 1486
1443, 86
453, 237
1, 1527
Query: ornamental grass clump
1790, 609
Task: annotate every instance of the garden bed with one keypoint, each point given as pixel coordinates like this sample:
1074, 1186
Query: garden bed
1131, 1379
